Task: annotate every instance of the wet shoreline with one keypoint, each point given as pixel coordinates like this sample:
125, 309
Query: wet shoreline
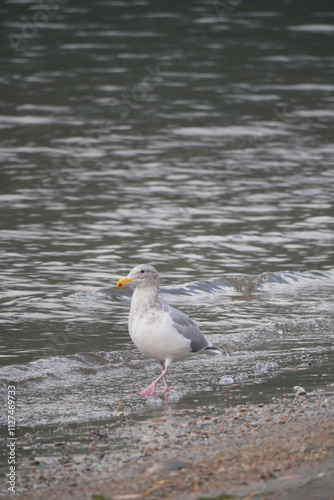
283, 445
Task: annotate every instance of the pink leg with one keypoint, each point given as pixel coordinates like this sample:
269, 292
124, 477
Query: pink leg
151, 389
166, 389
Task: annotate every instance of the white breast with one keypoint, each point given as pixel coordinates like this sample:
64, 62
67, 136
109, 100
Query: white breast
156, 336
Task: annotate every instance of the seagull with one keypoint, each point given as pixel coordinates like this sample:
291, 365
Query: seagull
157, 329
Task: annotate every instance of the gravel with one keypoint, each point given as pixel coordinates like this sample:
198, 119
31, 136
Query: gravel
273, 450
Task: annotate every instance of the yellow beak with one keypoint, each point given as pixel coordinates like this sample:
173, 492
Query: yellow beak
123, 281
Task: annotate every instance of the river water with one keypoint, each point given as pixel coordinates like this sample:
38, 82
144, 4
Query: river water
196, 137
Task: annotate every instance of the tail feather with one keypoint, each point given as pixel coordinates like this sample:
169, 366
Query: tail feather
212, 350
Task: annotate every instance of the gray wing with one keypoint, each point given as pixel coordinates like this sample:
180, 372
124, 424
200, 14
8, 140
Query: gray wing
188, 328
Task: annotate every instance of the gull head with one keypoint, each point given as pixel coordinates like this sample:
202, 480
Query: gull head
142, 276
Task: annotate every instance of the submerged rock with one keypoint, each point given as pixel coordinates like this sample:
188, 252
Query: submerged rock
154, 401
300, 391
166, 466
226, 380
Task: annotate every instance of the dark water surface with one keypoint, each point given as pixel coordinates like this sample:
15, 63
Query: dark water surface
190, 136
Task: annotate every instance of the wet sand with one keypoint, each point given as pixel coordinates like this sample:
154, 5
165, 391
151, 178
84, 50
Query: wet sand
283, 450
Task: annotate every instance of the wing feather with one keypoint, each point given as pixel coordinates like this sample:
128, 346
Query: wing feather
188, 328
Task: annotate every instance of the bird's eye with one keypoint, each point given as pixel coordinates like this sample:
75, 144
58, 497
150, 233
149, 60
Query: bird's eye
142, 271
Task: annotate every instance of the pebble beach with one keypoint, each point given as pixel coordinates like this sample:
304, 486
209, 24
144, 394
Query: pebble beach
278, 450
